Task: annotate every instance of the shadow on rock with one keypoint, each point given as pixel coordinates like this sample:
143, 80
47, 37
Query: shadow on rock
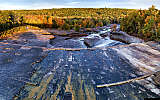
28, 35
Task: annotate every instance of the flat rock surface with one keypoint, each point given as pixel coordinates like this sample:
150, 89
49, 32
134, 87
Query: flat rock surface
72, 71
142, 56
75, 73
15, 65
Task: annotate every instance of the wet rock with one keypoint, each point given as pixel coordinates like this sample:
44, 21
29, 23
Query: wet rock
90, 42
104, 35
124, 37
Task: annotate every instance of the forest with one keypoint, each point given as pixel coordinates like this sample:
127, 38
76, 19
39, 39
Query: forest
141, 23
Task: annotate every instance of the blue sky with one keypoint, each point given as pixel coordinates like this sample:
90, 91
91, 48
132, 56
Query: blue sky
45, 4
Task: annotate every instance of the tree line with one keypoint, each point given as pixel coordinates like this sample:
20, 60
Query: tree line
64, 15
65, 18
142, 23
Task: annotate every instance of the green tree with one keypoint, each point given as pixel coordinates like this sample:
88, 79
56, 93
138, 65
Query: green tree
77, 28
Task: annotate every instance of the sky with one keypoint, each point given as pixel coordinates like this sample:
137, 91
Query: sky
47, 4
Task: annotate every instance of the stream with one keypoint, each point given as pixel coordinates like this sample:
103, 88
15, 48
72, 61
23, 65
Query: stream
67, 75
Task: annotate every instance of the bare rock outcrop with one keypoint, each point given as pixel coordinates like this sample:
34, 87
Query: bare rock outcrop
124, 37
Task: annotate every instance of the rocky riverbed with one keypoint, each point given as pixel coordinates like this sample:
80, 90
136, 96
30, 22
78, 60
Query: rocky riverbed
32, 69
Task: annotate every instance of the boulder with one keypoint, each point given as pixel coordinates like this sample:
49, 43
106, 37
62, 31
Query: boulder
90, 42
124, 37
104, 35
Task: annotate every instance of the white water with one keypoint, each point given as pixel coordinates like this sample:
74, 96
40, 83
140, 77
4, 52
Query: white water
103, 42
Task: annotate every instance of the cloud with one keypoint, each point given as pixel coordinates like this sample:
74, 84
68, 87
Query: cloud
73, 3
